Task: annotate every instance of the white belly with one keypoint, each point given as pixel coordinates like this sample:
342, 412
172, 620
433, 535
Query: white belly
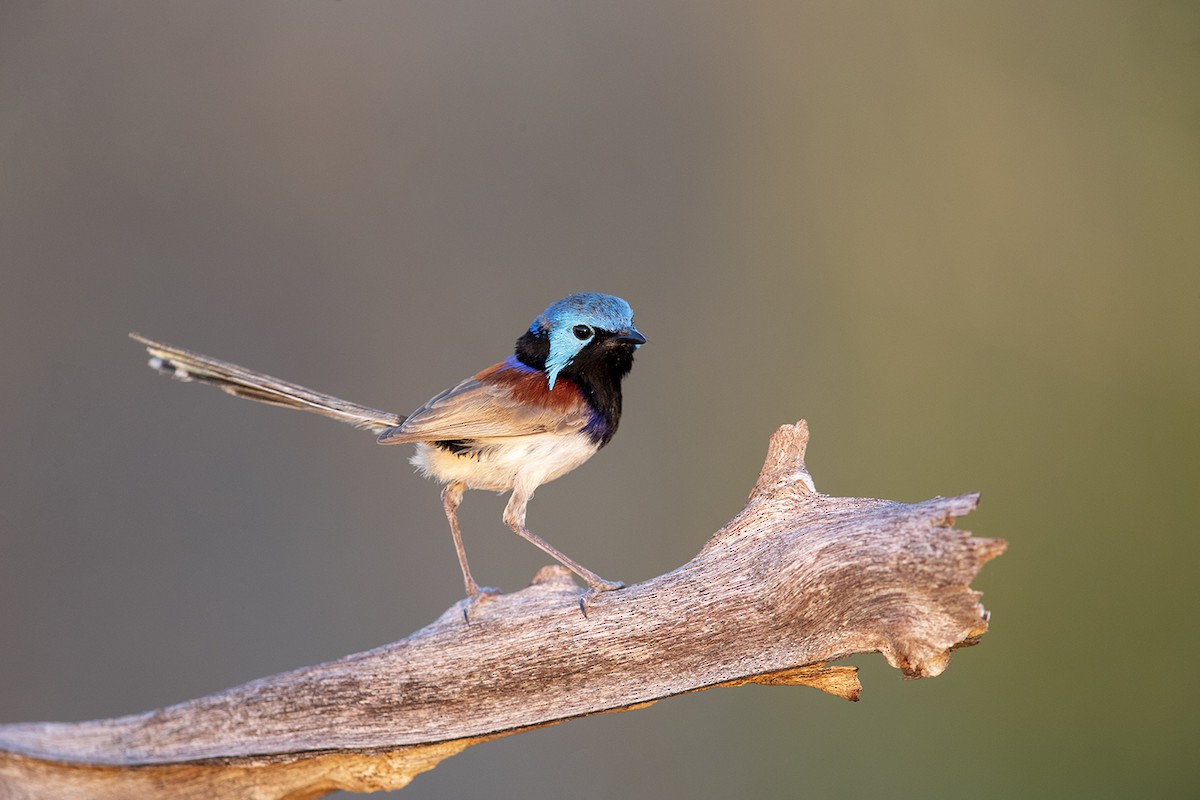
529, 460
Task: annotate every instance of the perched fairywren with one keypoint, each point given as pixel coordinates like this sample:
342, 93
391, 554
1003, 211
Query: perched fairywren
527, 420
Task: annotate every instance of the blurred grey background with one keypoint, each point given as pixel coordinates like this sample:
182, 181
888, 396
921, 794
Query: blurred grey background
961, 239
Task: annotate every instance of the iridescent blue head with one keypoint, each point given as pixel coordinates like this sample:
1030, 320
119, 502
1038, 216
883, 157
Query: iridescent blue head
584, 320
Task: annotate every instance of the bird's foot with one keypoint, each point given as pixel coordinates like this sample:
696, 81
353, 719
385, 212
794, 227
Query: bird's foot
476, 598
597, 587
601, 585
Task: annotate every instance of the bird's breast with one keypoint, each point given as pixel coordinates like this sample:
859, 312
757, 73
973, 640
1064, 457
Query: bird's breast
499, 464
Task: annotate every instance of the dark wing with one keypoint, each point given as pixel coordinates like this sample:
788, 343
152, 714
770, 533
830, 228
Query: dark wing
185, 365
497, 403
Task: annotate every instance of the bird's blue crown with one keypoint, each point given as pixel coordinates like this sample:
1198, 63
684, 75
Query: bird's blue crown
561, 319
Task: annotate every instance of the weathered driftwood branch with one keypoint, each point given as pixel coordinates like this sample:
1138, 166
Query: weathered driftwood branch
795, 581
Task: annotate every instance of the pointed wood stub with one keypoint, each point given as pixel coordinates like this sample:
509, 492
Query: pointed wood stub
784, 467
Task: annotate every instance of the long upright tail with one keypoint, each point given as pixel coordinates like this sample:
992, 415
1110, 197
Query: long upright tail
185, 365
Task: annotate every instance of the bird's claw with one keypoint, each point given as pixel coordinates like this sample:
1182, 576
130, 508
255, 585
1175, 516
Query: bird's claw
599, 587
482, 594
607, 586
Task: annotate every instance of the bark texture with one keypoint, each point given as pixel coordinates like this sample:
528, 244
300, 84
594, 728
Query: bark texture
794, 581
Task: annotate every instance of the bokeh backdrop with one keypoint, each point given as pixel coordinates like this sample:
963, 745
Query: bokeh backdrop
961, 239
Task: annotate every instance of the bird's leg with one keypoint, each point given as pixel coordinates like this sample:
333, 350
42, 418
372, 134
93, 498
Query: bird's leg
451, 497
514, 517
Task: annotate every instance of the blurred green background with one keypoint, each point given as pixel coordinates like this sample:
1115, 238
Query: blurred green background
961, 239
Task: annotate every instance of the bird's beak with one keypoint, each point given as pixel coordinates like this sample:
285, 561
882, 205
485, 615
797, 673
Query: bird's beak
630, 336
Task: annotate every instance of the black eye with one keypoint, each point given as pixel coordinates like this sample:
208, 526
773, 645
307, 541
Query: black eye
582, 332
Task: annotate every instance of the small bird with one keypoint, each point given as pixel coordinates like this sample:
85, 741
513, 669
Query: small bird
520, 423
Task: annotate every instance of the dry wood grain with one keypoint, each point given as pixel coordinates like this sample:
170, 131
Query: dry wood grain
794, 581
